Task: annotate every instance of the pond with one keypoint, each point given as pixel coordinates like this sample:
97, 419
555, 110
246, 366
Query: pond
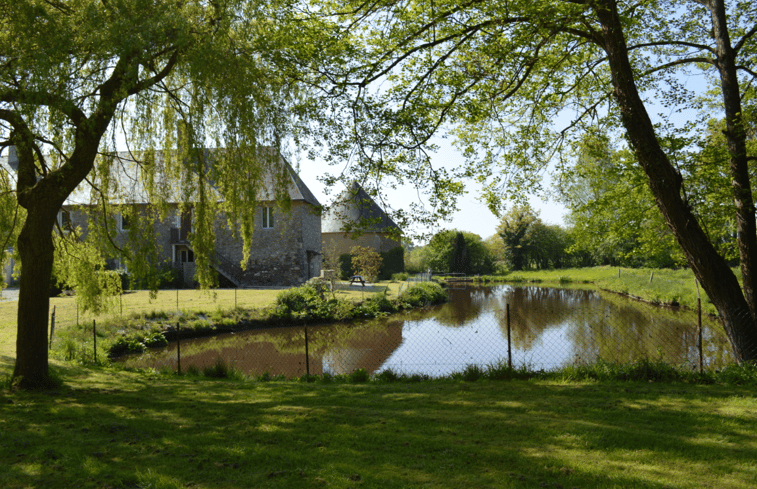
548, 328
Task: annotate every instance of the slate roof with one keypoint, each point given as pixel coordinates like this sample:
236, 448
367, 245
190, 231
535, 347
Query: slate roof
352, 207
130, 188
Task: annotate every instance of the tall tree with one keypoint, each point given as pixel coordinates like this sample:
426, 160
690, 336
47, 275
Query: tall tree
613, 215
75, 76
516, 229
459, 252
504, 72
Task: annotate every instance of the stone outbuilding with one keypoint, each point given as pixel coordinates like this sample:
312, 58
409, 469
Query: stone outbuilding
356, 220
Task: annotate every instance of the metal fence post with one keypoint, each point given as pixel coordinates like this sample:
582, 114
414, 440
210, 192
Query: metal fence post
178, 344
52, 328
509, 347
94, 337
307, 355
701, 351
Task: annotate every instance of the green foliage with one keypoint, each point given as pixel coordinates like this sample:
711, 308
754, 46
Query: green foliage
219, 370
392, 263
308, 303
400, 277
360, 376
423, 293
451, 250
613, 216
345, 266
137, 343
387, 375
366, 262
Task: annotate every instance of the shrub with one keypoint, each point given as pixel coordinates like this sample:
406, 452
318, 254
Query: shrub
366, 262
360, 376
220, 370
387, 375
392, 262
423, 293
400, 277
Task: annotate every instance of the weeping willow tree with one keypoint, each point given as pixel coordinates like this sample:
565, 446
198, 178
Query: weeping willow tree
82, 78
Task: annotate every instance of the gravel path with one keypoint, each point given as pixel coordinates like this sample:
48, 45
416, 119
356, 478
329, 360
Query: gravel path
8, 295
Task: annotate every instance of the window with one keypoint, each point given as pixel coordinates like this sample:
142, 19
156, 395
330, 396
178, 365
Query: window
267, 217
187, 256
64, 219
123, 223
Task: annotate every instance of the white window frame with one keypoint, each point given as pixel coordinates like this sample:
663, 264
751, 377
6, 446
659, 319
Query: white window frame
64, 222
268, 221
121, 223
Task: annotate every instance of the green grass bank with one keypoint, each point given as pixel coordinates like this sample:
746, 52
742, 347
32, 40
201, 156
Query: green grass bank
109, 428
657, 286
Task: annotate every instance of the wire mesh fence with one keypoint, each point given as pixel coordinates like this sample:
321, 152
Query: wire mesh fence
520, 326
536, 328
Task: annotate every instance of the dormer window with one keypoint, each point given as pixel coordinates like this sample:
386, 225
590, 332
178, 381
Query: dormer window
123, 223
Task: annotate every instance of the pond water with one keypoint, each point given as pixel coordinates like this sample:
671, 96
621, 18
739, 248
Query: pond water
548, 328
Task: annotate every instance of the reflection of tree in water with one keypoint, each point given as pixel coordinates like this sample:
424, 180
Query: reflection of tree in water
464, 306
533, 310
624, 330
282, 350
592, 325
600, 325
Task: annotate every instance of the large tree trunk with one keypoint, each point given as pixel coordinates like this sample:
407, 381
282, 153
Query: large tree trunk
708, 266
42, 199
35, 246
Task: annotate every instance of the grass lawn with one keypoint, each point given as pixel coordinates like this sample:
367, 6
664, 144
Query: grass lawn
112, 428
658, 286
135, 303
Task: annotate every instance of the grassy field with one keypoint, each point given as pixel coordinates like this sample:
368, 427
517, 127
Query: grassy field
135, 303
117, 429
669, 287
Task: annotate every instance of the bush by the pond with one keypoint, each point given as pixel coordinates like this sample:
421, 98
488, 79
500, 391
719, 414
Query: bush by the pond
138, 343
312, 302
423, 293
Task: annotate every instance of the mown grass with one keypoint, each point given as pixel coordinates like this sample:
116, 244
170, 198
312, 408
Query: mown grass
121, 429
193, 307
658, 286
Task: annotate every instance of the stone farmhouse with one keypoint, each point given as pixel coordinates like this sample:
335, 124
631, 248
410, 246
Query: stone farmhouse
286, 245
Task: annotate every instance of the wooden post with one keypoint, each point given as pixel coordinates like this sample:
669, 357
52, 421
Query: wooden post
509, 347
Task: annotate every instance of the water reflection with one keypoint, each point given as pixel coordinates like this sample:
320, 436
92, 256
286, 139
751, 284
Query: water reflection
549, 328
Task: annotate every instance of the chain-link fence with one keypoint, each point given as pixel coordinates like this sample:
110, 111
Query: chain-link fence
533, 327
522, 326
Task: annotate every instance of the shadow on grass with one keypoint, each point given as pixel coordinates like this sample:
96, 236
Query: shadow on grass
192, 431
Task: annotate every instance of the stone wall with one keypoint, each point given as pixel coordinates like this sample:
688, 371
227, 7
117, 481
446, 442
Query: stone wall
278, 255
344, 242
